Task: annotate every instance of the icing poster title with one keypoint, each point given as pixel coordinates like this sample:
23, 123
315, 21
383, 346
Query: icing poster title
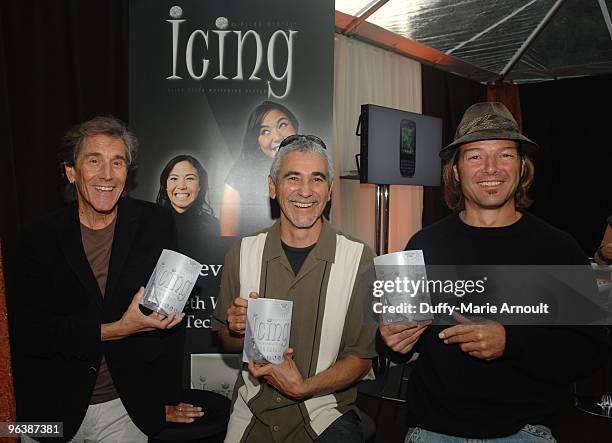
279, 84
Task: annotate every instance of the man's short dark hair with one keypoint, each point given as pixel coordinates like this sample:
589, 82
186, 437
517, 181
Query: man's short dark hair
73, 140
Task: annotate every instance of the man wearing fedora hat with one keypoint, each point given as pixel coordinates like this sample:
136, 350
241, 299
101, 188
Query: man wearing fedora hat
480, 379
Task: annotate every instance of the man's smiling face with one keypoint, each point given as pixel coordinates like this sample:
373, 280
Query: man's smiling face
489, 172
99, 174
301, 189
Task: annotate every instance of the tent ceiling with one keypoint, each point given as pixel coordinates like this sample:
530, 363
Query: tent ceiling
489, 40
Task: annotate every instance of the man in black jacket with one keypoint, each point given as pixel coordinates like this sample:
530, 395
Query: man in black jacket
481, 379
85, 355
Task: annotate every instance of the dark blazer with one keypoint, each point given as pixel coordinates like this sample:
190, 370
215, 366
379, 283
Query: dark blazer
59, 309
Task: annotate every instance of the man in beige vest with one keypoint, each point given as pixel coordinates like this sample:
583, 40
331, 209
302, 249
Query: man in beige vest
310, 396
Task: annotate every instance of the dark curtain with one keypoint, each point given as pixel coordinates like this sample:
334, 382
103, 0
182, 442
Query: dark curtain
446, 96
570, 120
61, 62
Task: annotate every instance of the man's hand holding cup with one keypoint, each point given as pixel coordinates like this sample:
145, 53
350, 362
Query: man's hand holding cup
237, 315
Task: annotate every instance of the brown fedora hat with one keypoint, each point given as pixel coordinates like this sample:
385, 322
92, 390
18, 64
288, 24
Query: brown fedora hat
488, 121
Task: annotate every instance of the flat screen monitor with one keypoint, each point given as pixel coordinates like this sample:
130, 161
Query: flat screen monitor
399, 147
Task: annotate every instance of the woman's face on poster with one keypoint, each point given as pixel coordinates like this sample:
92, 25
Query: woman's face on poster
183, 186
275, 127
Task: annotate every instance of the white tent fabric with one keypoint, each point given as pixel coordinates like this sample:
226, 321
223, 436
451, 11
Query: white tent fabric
489, 40
367, 74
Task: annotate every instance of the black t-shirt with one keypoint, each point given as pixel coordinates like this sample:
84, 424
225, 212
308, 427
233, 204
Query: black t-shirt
194, 228
296, 256
453, 393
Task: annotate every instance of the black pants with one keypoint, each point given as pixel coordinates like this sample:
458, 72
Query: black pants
346, 429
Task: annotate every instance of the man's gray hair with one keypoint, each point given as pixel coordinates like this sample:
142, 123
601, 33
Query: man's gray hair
73, 140
109, 126
301, 143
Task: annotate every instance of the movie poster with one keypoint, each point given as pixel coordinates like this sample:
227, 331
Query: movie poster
214, 87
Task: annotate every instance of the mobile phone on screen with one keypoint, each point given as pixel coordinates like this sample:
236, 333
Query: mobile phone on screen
407, 147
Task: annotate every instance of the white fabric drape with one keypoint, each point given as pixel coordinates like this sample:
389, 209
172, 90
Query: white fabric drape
365, 74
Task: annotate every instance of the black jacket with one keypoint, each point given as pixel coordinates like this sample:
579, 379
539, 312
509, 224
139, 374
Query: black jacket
59, 310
